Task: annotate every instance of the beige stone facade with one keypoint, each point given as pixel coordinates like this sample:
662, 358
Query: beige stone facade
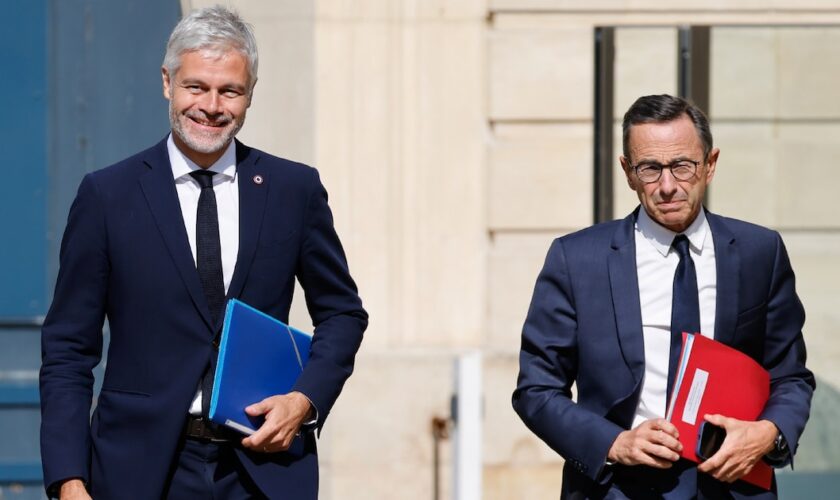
455, 139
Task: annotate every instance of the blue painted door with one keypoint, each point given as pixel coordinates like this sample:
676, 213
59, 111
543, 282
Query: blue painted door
23, 251
80, 90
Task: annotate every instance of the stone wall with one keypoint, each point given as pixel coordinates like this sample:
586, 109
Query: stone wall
455, 139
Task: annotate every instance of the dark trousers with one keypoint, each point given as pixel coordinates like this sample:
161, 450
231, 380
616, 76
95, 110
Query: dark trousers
639, 482
207, 470
681, 482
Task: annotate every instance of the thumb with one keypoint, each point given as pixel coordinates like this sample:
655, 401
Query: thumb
715, 419
257, 409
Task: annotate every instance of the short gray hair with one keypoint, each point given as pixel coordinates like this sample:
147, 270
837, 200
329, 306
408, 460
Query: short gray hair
217, 29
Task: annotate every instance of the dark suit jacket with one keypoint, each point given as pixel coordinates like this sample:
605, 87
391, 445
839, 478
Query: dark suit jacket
125, 257
584, 326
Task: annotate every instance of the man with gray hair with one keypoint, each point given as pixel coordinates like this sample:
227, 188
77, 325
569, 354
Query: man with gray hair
156, 244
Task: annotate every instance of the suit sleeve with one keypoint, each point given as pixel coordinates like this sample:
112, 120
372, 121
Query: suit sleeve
791, 383
333, 303
71, 340
548, 366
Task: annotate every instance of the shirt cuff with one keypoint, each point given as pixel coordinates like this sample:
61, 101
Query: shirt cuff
311, 417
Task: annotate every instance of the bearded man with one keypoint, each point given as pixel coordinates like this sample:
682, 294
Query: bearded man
156, 244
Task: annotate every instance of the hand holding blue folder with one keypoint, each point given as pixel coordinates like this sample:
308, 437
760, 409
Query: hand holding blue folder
259, 356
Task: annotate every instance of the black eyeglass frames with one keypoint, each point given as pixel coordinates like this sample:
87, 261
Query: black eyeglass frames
682, 170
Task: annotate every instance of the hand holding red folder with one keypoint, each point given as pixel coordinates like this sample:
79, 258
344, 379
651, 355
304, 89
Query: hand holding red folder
714, 378
746, 444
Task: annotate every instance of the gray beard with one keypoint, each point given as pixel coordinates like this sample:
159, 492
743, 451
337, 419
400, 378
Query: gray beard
196, 144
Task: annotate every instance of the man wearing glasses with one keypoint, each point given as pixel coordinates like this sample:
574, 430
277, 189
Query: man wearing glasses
607, 314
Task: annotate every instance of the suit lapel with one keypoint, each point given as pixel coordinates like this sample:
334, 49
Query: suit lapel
625, 296
253, 193
728, 267
158, 187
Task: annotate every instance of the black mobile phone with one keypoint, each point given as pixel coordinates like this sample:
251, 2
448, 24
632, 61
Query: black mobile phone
709, 439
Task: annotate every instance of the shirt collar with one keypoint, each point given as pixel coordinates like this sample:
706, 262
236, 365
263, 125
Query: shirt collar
225, 166
661, 237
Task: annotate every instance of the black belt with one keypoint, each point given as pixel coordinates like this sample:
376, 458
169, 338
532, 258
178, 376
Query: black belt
204, 430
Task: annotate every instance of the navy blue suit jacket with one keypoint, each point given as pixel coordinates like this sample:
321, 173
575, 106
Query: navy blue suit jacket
125, 256
584, 326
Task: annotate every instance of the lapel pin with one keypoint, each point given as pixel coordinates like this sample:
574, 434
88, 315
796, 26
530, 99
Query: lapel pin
258, 179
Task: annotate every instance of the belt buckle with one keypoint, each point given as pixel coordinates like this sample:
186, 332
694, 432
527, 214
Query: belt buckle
210, 431
197, 428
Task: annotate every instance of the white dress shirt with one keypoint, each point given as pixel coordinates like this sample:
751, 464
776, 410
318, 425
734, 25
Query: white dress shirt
656, 265
226, 188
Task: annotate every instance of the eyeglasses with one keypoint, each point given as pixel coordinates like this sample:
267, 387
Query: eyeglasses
682, 170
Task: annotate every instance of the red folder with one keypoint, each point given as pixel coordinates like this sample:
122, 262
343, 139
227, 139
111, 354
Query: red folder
715, 378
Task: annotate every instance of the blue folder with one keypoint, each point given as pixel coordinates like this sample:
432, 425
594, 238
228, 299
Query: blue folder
259, 356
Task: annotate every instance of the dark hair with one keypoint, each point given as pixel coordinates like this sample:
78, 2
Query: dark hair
661, 109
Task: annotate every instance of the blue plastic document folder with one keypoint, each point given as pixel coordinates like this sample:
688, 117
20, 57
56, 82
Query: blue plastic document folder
259, 356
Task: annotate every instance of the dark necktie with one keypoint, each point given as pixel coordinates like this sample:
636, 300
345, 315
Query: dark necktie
208, 247
685, 308
208, 250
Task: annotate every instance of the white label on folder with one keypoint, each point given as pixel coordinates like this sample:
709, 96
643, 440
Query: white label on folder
695, 396
239, 427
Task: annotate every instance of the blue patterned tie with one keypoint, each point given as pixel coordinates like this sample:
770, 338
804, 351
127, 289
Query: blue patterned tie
208, 261
685, 308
